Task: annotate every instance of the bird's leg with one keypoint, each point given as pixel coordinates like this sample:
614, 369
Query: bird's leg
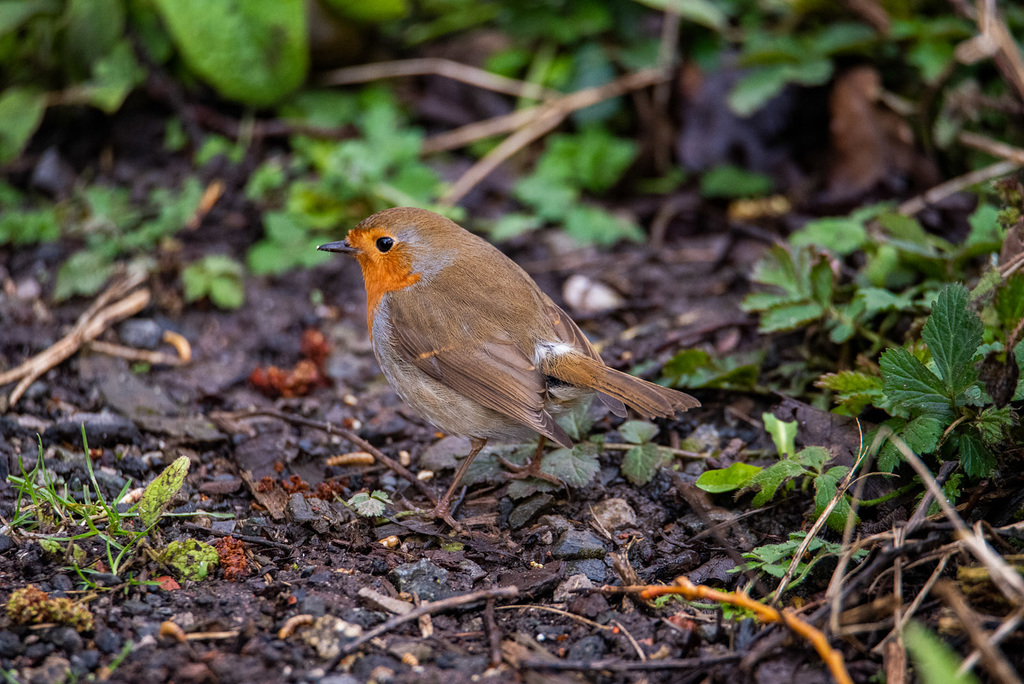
531, 469
441, 510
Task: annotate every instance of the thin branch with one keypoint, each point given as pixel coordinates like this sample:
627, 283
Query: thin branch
437, 66
941, 191
424, 609
332, 429
993, 659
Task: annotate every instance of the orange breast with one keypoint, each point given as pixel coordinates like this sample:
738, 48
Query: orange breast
382, 276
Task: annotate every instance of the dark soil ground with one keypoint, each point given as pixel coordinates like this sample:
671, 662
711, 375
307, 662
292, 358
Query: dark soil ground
309, 556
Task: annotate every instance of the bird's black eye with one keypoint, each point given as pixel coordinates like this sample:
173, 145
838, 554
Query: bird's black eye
385, 243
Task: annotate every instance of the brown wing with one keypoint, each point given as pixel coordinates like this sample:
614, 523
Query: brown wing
484, 365
567, 331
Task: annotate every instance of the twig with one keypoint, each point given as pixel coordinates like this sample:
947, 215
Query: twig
766, 614
425, 609
1009, 626
248, 538
636, 647
994, 40
557, 611
614, 446
493, 633
548, 117
331, 429
994, 660
903, 617
479, 130
994, 147
941, 191
437, 66
155, 358
628, 666
97, 318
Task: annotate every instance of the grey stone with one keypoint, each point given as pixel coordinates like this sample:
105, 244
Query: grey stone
594, 569
577, 545
66, 639
10, 644
143, 333
422, 578
525, 512
588, 648
566, 589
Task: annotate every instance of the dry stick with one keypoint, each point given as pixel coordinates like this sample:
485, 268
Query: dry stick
941, 191
436, 66
994, 147
1003, 576
1009, 626
84, 331
766, 614
493, 633
993, 659
330, 429
424, 609
132, 354
902, 618
549, 116
479, 130
994, 40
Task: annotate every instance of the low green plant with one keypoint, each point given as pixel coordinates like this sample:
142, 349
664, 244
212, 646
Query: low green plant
64, 522
774, 559
218, 277
571, 164
805, 468
369, 504
934, 661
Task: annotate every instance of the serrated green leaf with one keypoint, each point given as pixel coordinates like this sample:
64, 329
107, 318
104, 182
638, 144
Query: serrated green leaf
907, 381
575, 467
84, 273
577, 422
876, 300
783, 434
825, 487
921, 435
227, 292
953, 334
849, 382
550, 199
638, 431
977, 460
812, 457
161, 490
771, 478
889, 456
590, 225
369, 505
734, 477
994, 423
641, 463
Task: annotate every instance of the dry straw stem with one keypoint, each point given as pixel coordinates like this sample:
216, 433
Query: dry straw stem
993, 659
545, 119
97, 318
436, 66
766, 614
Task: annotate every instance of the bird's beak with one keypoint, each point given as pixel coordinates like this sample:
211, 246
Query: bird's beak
340, 246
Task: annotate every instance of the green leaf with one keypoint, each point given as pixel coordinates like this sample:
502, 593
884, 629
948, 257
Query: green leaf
702, 12
977, 460
934, 661
575, 467
93, 28
14, 13
730, 182
854, 389
1010, 301
985, 228
592, 68
254, 52
736, 476
771, 478
227, 292
841, 235
369, 505
906, 381
550, 199
113, 77
161, 490
694, 368
513, 225
783, 434
790, 316
876, 300
84, 273
756, 88
370, 12
641, 463
825, 487
638, 431
592, 225
577, 422
994, 424
21, 111
812, 457
953, 334
190, 559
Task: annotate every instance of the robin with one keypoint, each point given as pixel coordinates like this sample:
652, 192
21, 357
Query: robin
470, 341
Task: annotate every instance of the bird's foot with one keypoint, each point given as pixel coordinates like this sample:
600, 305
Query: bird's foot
531, 469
